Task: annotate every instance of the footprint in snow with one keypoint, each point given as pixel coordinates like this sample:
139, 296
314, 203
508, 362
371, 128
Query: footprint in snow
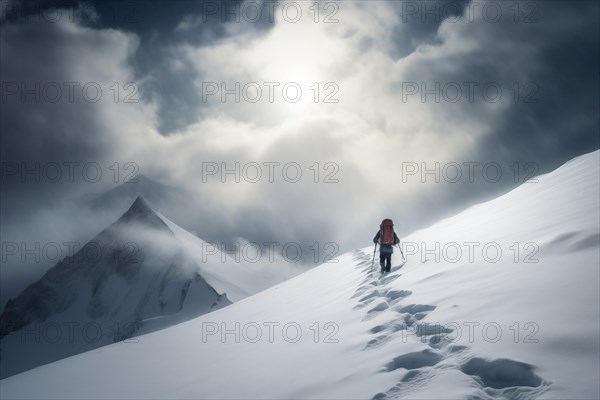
393, 295
420, 369
505, 378
378, 308
387, 332
495, 379
377, 342
415, 360
364, 287
416, 308
425, 329
374, 311
389, 278
363, 304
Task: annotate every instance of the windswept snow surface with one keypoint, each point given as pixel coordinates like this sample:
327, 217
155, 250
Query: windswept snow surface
448, 324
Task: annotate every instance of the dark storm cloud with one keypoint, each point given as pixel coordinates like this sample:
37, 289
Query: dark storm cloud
41, 122
161, 26
164, 26
564, 123
145, 18
48, 131
420, 21
553, 61
37, 33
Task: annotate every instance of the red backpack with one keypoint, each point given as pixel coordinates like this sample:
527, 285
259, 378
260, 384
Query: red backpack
386, 235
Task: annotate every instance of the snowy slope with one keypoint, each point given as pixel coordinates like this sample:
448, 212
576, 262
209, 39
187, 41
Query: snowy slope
455, 327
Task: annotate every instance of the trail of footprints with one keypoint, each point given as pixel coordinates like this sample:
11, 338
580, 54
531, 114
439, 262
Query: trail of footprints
496, 379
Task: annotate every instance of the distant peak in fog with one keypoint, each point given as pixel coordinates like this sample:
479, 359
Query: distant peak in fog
141, 211
140, 205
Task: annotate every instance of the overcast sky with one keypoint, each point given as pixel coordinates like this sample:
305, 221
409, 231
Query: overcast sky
357, 97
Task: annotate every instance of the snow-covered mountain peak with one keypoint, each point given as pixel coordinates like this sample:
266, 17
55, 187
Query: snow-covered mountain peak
140, 205
132, 277
141, 212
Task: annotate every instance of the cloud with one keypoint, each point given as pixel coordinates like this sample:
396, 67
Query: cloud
373, 128
376, 61
58, 139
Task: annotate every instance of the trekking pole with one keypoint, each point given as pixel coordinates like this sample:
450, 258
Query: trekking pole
373, 262
401, 252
